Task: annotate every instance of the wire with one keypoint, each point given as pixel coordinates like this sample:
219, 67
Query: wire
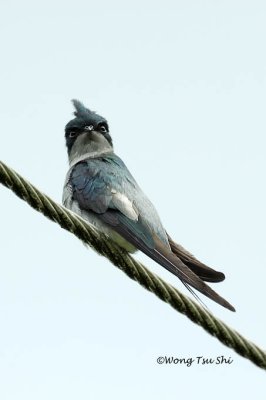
134, 269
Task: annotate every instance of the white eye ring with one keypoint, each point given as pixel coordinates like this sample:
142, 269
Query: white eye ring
103, 129
89, 128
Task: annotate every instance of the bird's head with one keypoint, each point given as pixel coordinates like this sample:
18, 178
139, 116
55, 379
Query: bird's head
86, 130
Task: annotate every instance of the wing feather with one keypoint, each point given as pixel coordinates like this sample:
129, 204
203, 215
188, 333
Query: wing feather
98, 187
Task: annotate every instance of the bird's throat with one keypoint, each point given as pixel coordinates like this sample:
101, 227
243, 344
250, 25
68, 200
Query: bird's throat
89, 145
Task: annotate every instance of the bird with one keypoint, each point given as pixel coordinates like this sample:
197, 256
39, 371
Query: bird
100, 188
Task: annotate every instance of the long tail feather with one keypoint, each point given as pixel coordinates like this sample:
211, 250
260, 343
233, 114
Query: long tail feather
203, 271
163, 256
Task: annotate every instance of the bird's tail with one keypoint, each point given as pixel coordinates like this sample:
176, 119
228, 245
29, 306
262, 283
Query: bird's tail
160, 253
173, 264
206, 273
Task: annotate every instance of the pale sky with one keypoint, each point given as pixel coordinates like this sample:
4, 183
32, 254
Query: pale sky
182, 85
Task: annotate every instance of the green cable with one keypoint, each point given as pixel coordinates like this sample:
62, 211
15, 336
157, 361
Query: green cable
134, 269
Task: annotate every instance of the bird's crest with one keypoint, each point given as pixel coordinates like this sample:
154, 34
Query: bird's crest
81, 110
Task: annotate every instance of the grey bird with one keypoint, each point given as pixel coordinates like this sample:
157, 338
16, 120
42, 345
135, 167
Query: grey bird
100, 188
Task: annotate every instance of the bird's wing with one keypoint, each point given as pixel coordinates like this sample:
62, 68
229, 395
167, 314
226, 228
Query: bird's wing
138, 234
95, 186
206, 273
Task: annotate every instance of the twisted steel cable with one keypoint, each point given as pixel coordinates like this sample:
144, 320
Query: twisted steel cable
133, 268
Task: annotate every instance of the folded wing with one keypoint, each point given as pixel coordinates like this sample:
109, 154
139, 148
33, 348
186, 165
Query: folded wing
99, 188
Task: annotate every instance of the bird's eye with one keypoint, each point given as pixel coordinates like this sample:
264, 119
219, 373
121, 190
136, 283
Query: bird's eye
102, 129
89, 127
73, 134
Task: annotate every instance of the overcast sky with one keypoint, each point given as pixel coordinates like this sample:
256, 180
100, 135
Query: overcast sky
182, 84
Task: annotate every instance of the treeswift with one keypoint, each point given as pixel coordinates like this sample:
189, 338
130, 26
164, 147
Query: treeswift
100, 188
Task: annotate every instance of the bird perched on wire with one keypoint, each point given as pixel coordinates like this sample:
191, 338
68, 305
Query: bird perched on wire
100, 188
